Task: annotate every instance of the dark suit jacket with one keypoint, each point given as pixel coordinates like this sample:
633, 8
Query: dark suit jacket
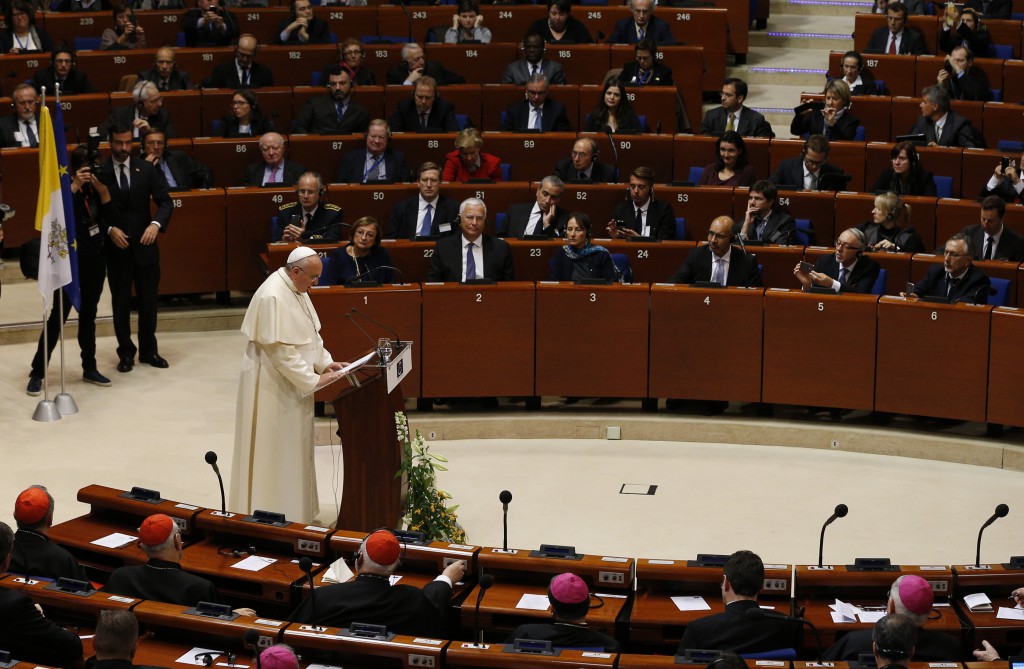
131, 211
575, 32
318, 31
519, 216
659, 217
178, 81
446, 263
978, 41
126, 115
194, 37
553, 119
912, 42
407, 119
698, 266
974, 287
11, 124
997, 9
781, 229
752, 123
921, 184
319, 117
34, 554
161, 581
397, 75
972, 86
861, 280
599, 172
930, 646
44, 41
628, 121
790, 172
405, 212
518, 72
188, 172
254, 174
324, 228
1003, 189
225, 75
813, 123
661, 75
657, 30
957, 131
732, 631
76, 83
867, 86
257, 128
353, 164
32, 638
1011, 245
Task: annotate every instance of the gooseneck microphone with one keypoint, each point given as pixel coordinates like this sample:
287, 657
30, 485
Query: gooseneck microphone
1001, 512
211, 459
306, 565
758, 613
615, 152
840, 512
486, 581
252, 637
504, 497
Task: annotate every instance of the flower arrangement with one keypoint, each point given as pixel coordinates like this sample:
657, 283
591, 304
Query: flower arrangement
425, 507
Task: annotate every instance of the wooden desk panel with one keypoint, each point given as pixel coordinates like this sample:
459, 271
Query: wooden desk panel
699, 206
1005, 385
192, 251
293, 66
583, 64
1013, 79
619, 312
532, 259
371, 200
78, 534
874, 113
696, 26
247, 231
270, 589
595, 200
652, 262
896, 72
20, 191
62, 604
420, 148
380, 58
228, 158
654, 151
259, 21
693, 319
105, 68
500, 314
532, 156
498, 196
977, 167
1002, 121
293, 538
477, 63
922, 375
82, 112
777, 263
173, 616
692, 151
817, 207
656, 104
509, 23
405, 651
803, 333
493, 656
347, 21
689, 66
321, 153
199, 62
413, 258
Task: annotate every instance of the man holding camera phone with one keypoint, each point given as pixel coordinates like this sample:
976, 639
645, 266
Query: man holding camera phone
209, 25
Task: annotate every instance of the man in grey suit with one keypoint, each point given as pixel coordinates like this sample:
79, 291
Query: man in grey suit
520, 71
471, 255
991, 239
942, 126
732, 115
543, 218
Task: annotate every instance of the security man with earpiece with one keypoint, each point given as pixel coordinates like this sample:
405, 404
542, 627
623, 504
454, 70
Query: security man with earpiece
847, 270
309, 219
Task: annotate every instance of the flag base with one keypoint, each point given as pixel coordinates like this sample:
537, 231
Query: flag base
46, 412
65, 404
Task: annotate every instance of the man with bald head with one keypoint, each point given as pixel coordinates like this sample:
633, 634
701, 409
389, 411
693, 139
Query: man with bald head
273, 170
165, 73
719, 261
242, 71
847, 270
284, 363
582, 164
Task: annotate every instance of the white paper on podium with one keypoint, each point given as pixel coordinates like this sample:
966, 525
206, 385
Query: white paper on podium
348, 369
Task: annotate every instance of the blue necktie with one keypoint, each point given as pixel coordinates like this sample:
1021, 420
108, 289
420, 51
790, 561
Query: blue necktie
425, 227
843, 273
470, 262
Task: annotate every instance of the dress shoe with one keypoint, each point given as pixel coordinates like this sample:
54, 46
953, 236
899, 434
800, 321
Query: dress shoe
156, 361
94, 377
35, 386
125, 365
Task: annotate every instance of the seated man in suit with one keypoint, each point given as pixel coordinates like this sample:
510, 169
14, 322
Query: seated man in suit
21, 126
733, 630
182, 171
642, 25
847, 270
273, 170
34, 554
334, 113
63, 71
428, 214
543, 218
536, 112
811, 169
424, 111
942, 126
991, 239
145, 113
895, 37
242, 71
956, 279
963, 81
311, 218
472, 254
645, 70
641, 215
732, 115
377, 163
1005, 182
894, 641
209, 25
719, 260
302, 27
910, 596
761, 223
165, 73
519, 72
570, 602
582, 164
414, 66
856, 77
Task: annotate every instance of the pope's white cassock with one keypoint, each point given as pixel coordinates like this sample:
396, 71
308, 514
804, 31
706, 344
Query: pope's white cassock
273, 466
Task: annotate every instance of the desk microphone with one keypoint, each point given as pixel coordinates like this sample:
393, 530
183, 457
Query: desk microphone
504, 497
252, 637
373, 342
211, 459
840, 512
486, 581
1001, 512
615, 151
306, 565
758, 613
359, 277
353, 310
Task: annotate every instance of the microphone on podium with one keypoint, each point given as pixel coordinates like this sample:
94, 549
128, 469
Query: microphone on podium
252, 637
504, 497
1001, 512
840, 512
486, 581
306, 565
211, 459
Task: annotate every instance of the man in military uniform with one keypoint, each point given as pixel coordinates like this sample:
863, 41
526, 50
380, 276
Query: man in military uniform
310, 218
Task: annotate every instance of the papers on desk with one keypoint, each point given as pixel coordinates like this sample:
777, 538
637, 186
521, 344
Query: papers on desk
534, 602
190, 656
115, 540
871, 616
978, 603
253, 563
322, 666
690, 603
843, 612
394, 578
1006, 613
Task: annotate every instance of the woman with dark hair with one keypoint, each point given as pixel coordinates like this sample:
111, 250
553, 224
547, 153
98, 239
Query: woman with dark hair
613, 111
246, 118
467, 25
906, 177
730, 167
560, 26
884, 231
834, 121
126, 33
363, 258
21, 34
579, 258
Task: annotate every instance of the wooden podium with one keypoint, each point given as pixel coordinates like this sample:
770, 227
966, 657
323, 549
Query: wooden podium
372, 495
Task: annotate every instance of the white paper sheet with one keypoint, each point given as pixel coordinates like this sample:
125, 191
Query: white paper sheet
690, 603
115, 540
1006, 613
871, 616
253, 563
534, 602
847, 611
190, 656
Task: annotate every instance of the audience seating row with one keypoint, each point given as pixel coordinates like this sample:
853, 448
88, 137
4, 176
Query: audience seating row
1003, 31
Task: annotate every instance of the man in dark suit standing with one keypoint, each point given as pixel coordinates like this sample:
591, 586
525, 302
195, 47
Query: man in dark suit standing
847, 270
377, 163
642, 25
732, 115
942, 126
62, 70
21, 127
641, 215
165, 73
719, 260
536, 112
991, 239
472, 254
762, 223
543, 218
582, 164
424, 111
209, 25
133, 254
811, 169
180, 170
519, 72
335, 113
145, 113
242, 71
414, 66
273, 170
956, 279
645, 70
894, 37
429, 214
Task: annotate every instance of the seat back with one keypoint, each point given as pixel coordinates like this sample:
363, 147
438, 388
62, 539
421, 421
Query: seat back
621, 261
879, 287
999, 293
944, 186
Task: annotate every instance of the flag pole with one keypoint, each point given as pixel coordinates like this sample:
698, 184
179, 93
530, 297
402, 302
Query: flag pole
64, 401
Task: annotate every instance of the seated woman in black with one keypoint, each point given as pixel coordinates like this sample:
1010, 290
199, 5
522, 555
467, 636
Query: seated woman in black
560, 26
905, 177
888, 229
613, 112
570, 601
730, 167
246, 118
22, 35
834, 121
362, 259
579, 259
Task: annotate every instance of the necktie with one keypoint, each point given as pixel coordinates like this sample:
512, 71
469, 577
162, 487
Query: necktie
533, 70
892, 44
423, 120
425, 226
534, 227
245, 76
814, 181
470, 262
989, 243
761, 225
537, 112
639, 221
167, 174
309, 218
640, 34
731, 123
273, 176
163, 84
938, 131
33, 141
124, 179
951, 285
339, 109
719, 272
843, 273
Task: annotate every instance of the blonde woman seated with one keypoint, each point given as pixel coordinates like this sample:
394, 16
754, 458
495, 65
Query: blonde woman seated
467, 161
888, 229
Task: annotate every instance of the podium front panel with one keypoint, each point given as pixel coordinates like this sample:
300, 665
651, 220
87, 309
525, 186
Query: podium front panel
703, 322
478, 340
933, 359
819, 349
192, 251
1005, 383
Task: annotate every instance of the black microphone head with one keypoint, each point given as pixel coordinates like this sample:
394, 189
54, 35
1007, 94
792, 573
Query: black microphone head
211, 458
486, 581
505, 497
252, 637
305, 564
1002, 510
607, 130
842, 510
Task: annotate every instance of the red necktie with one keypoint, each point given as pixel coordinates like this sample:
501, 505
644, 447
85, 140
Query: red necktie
892, 44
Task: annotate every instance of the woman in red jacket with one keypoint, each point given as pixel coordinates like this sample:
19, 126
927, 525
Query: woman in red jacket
467, 161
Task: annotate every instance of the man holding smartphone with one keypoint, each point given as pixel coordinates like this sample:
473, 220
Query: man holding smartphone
847, 270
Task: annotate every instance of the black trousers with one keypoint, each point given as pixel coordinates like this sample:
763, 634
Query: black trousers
123, 272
